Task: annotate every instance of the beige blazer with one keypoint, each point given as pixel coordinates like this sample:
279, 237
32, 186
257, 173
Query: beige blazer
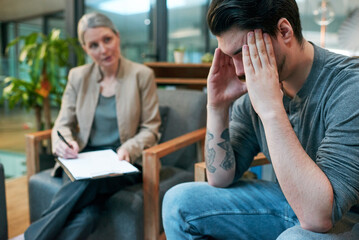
137, 107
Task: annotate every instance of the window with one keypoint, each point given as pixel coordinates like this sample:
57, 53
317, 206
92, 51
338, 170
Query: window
187, 28
134, 21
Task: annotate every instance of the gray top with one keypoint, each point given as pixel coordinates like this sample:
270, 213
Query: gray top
104, 130
325, 117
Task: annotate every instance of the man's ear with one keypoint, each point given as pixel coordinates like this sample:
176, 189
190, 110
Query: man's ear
285, 30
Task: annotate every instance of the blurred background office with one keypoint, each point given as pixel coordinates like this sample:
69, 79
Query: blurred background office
150, 31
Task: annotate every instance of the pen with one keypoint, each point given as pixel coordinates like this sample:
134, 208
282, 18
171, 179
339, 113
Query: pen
63, 139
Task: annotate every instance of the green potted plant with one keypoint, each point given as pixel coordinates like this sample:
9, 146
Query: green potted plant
207, 58
46, 59
178, 54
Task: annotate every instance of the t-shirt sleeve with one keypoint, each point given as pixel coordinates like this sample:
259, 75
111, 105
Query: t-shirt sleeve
242, 135
338, 154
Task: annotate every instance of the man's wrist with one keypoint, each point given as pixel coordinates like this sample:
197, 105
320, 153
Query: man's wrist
224, 108
270, 117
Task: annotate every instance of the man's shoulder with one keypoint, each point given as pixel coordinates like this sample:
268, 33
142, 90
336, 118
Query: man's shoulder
338, 63
334, 72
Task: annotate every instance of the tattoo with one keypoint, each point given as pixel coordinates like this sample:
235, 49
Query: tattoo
211, 153
228, 161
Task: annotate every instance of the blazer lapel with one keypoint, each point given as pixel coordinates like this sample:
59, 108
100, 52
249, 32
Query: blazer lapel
92, 96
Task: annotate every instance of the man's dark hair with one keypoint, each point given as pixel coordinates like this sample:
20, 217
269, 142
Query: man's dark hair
253, 14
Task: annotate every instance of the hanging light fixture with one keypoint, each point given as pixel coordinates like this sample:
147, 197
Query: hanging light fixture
323, 16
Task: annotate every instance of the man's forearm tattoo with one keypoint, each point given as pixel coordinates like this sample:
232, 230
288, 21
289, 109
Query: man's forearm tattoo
228, 161
210, 153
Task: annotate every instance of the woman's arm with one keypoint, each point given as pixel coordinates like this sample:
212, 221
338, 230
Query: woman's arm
150, 121
66, 120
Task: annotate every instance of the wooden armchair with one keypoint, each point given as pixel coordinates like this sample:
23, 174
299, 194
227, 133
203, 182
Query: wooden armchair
33, 142
151, 171
164, 165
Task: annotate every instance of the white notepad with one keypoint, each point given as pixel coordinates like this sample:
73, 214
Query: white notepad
95, 164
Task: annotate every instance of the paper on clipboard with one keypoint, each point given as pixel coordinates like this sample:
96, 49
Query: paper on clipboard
95, 164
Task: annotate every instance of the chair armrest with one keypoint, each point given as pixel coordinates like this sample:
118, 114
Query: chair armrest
177, 143
259, 160
200, 168
151, 177
32, 141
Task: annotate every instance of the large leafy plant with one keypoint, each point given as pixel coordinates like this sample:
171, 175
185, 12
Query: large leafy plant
46, 61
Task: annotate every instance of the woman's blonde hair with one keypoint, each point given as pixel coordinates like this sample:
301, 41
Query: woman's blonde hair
93, 20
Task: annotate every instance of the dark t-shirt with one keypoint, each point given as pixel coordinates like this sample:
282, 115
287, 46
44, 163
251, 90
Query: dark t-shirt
104, 132
325, 117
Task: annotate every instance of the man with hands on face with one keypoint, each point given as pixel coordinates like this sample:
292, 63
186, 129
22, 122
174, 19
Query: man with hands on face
298, 105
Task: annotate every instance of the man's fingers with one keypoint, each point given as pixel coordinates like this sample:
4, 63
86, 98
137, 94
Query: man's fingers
256, 62
215, 64
270, 50
261, 48
247, 64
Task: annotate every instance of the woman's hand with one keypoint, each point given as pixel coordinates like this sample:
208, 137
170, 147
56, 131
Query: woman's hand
64, 151
123, 154
223, 84
262, 78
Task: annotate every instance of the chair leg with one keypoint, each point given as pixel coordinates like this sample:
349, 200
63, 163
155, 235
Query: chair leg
151, 183
163, 236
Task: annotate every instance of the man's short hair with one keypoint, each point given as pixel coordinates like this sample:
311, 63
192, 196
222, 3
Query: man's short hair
253, 14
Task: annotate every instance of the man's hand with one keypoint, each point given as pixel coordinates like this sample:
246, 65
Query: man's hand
123, 154
223, 85
64, 151
261, 71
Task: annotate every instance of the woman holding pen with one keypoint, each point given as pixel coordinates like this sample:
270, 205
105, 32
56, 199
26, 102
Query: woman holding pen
110, 103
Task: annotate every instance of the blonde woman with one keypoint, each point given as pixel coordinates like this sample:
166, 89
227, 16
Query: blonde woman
110, 103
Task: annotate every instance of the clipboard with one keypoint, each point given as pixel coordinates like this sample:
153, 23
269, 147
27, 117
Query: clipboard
96, 164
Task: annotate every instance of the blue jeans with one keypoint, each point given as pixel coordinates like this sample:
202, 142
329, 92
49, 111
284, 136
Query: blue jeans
346, 229
249, 209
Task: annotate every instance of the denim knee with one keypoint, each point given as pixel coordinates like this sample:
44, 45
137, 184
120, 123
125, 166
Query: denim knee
175, 200
180, 201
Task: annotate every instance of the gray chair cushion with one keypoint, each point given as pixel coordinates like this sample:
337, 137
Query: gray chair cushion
164, 110
42, 188
188, 113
